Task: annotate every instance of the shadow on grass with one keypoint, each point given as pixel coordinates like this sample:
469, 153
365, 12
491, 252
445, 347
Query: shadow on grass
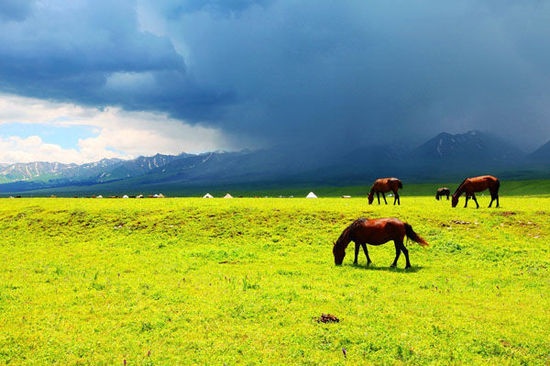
372, 267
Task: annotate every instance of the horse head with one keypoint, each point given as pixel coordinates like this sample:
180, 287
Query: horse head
371, 197
454, 201
339, 252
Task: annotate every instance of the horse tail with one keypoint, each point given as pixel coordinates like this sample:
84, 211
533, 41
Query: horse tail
399, 184
414, 236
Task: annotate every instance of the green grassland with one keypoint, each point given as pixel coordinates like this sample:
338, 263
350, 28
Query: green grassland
244, 281
509, 187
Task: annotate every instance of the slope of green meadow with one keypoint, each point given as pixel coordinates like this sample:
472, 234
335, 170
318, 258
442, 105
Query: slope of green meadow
245, 281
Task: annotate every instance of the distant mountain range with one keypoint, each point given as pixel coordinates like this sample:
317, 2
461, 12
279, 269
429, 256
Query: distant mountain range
441, 158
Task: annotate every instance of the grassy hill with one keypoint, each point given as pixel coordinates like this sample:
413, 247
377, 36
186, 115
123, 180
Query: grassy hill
247, 281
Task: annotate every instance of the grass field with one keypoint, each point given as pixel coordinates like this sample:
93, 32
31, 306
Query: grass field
244, 281
509, 187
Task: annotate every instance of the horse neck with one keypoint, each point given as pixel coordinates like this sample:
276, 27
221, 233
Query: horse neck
460, 189
371, 193
344, 239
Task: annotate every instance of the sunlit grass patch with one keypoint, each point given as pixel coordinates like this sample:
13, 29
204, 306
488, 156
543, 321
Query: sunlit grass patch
193, 281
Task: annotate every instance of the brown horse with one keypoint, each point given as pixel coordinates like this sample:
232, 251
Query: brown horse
477, 184
383, 185
443, 191
375, 232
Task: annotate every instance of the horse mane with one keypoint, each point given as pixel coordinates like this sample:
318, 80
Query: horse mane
344, 238
460, 186
357, 222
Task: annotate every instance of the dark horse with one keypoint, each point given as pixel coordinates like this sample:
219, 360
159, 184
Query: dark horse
383, 185
477, 184
375, 232
443, 191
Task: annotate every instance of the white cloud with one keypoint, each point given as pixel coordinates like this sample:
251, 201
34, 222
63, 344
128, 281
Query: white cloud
111, 132
17, 149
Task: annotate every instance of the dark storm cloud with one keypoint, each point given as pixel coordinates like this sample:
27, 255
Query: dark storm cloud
326, 72
80, 52
364, 71
15, 10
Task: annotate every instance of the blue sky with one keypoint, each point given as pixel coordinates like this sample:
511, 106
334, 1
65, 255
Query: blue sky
66, 137
83, 80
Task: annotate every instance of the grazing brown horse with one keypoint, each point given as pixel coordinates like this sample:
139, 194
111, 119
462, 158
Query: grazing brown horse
477, 184
375, 232
443, 191
383, 185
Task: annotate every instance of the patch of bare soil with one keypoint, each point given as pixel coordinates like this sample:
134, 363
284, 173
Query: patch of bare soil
327, 318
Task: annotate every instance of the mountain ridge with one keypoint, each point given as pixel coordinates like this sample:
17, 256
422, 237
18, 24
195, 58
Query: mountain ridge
445, 156
464, 146
542, 153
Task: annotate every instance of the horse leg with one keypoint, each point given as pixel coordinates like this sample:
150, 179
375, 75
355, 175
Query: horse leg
406, 253
475, 200
378, 196
397, 253
357, 246
447, 196
466, 203
400, 247
494, 196
396, 199
384, 196
366, 253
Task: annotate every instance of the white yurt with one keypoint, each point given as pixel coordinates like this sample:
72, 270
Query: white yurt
311, 195
228, 196
208, 195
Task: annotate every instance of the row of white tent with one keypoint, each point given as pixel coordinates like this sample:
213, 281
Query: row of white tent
156, 195
208, 195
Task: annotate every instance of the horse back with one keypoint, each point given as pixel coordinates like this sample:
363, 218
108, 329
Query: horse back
481, 183
387, 184
378, 231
